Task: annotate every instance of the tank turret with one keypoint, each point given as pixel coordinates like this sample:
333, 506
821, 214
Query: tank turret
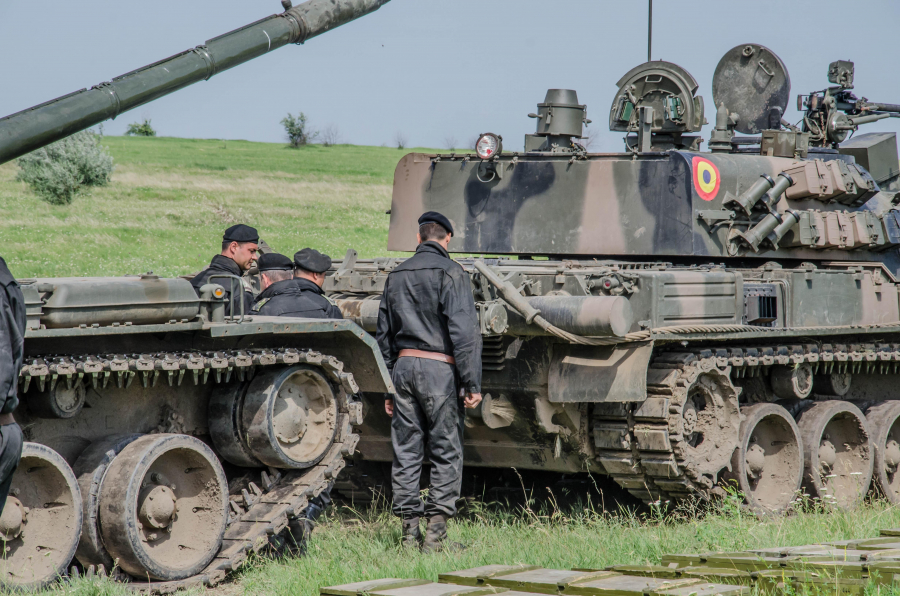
41, 125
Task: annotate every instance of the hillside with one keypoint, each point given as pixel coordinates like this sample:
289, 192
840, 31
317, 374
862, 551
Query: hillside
170, 199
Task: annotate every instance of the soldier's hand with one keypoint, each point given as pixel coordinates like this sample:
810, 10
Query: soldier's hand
389, 407
472, 400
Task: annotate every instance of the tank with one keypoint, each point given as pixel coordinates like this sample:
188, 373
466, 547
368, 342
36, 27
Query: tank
685, 322
165, 441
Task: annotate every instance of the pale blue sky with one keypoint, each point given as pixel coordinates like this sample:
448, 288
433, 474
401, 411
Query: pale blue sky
427, 68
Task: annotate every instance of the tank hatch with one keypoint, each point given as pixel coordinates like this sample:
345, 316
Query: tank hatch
656, 102
560, 118
753, 83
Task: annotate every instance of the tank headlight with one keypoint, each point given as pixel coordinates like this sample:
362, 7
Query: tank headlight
489, 145
219, 292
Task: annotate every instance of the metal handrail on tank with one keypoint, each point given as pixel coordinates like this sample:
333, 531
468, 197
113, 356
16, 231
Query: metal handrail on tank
240, 288
41, 125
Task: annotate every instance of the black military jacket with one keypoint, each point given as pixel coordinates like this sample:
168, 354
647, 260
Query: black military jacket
12, 338
428, 305
222, 265
296, 297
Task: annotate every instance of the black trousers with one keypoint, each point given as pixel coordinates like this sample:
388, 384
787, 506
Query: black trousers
428, 420
10, 454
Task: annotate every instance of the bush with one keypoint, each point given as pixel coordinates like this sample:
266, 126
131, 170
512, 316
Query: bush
331, 136
140, 130
297, 129
58, 172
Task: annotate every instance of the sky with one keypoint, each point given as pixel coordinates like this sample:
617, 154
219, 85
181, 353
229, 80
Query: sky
429, 70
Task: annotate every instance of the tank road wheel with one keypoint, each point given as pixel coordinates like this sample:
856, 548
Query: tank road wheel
768, 463
704, 425
163, 507
834, 383
792, 382
290, 417
884, 424
90, 468
41, 521
837, 453
225, 425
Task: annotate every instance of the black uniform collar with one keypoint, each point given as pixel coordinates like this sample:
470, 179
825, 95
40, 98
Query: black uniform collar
290, 286
6, 277
223, 262
432, 247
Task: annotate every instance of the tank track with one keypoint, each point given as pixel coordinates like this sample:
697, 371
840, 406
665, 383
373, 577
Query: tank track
257, 511
123, 369
641, 445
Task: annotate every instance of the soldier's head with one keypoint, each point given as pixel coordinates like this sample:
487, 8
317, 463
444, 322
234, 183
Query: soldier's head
273, 268
240, 243
434, 227
311, 264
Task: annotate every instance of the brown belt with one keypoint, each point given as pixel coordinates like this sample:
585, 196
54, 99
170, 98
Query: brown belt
7, 419
427, 355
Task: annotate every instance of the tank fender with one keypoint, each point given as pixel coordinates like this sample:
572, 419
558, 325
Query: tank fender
342, 339
599, 374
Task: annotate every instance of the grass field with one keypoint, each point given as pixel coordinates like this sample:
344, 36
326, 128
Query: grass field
170, 199
355, 546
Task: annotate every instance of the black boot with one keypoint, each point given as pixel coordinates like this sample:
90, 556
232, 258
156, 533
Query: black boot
436, 536
412, 535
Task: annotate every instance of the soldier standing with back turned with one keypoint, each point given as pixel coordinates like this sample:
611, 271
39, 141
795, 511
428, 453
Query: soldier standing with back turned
428, 334
12, 353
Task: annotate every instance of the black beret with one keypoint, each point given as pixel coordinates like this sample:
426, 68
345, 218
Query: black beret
435, 217
273, 261
312, 260
240, 233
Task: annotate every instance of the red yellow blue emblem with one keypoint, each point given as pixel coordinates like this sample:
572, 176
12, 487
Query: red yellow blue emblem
706, 178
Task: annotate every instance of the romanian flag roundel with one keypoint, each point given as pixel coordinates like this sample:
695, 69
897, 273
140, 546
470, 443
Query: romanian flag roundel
706, 178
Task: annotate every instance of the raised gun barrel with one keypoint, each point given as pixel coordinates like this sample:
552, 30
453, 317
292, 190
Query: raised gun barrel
41, 125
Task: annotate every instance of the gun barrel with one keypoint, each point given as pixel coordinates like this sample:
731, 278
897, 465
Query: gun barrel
886, 107
857, 120
41, 125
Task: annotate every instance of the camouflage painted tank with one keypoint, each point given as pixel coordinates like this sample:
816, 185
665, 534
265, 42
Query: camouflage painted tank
163, 437
678, 320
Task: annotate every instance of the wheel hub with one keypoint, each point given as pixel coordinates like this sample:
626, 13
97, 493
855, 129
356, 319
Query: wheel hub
289, 420
756, 460
13, 518
892, 455
158, 508
827, 455
690, 418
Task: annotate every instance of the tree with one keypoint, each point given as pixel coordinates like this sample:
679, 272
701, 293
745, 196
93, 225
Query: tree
450, 143
297, 129
141, 130
331, 136
400, 140
58, 172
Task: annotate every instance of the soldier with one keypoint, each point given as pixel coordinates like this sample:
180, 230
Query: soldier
428, 334
297, 295
12, 352
284, 295
240, 245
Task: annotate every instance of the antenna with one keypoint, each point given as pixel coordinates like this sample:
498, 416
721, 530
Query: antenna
650, 31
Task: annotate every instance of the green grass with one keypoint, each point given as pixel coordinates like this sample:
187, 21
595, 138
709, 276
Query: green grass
170, 199
354, 546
